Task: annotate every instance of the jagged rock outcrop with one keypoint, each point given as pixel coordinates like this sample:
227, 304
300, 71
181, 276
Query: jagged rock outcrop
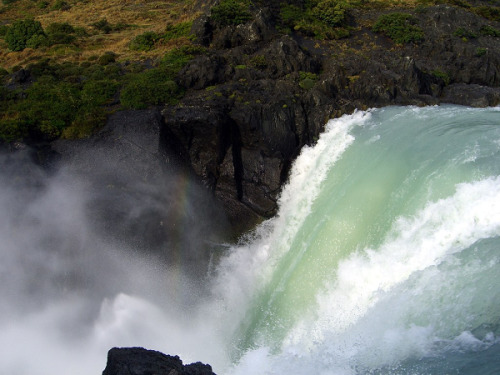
139, 361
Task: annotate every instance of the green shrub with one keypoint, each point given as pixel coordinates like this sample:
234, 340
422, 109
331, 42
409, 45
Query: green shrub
332, 12
231, 12
60, 33
103, 25
43, 4
320, 30
489, 12
399, 27
12, 129
259, 62
321, 21
91, 115
85, 124
3, 73
98, 92
61, 5
489, 31
6, 95
145, 41
57, 27
18, 35
176, 59
464, 33
80, 31
441, 75
120, 26
95, 72
135, 67
460, 3
60, 38
68, 70
308, 75
480, 51
307, 80
43, 68
58, 103
3, 30
177, 31
37, 41
290, 15
49, 107
107, 58
7, 2
152, 87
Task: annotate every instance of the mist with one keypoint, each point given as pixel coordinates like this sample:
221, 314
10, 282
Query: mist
101, 258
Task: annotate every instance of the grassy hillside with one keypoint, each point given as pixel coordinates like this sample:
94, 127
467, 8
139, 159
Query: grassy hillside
111, 25
101, 26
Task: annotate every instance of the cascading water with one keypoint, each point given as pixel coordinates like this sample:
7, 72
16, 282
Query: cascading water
384, 258
385, 254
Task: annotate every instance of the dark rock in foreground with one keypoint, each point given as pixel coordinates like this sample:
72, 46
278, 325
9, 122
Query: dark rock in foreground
140, 361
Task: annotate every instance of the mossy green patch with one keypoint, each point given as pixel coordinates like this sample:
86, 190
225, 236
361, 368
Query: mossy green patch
325, 19
231, 12
400, 27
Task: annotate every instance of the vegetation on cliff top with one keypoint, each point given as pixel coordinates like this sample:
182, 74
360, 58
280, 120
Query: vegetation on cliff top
72, 100
64, 65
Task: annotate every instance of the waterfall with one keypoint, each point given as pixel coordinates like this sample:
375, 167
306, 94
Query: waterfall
383, 259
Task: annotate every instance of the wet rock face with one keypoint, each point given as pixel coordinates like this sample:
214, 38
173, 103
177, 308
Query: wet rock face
139, 361
240, 154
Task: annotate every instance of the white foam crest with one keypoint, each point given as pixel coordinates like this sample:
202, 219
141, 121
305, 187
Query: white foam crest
441, 228
252, 263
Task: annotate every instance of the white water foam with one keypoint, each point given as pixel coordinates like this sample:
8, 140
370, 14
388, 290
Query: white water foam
442, 228
362, 319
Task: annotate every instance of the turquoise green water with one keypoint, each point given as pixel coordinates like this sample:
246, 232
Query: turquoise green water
385, 255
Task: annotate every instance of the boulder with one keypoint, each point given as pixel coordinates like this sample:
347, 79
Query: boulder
140, 361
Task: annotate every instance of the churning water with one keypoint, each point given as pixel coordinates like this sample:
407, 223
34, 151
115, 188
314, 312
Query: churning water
384, 258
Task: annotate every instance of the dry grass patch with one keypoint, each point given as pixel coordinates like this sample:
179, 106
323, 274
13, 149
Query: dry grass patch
127, 19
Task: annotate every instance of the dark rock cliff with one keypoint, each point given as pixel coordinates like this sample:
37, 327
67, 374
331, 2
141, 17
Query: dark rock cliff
257, 97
